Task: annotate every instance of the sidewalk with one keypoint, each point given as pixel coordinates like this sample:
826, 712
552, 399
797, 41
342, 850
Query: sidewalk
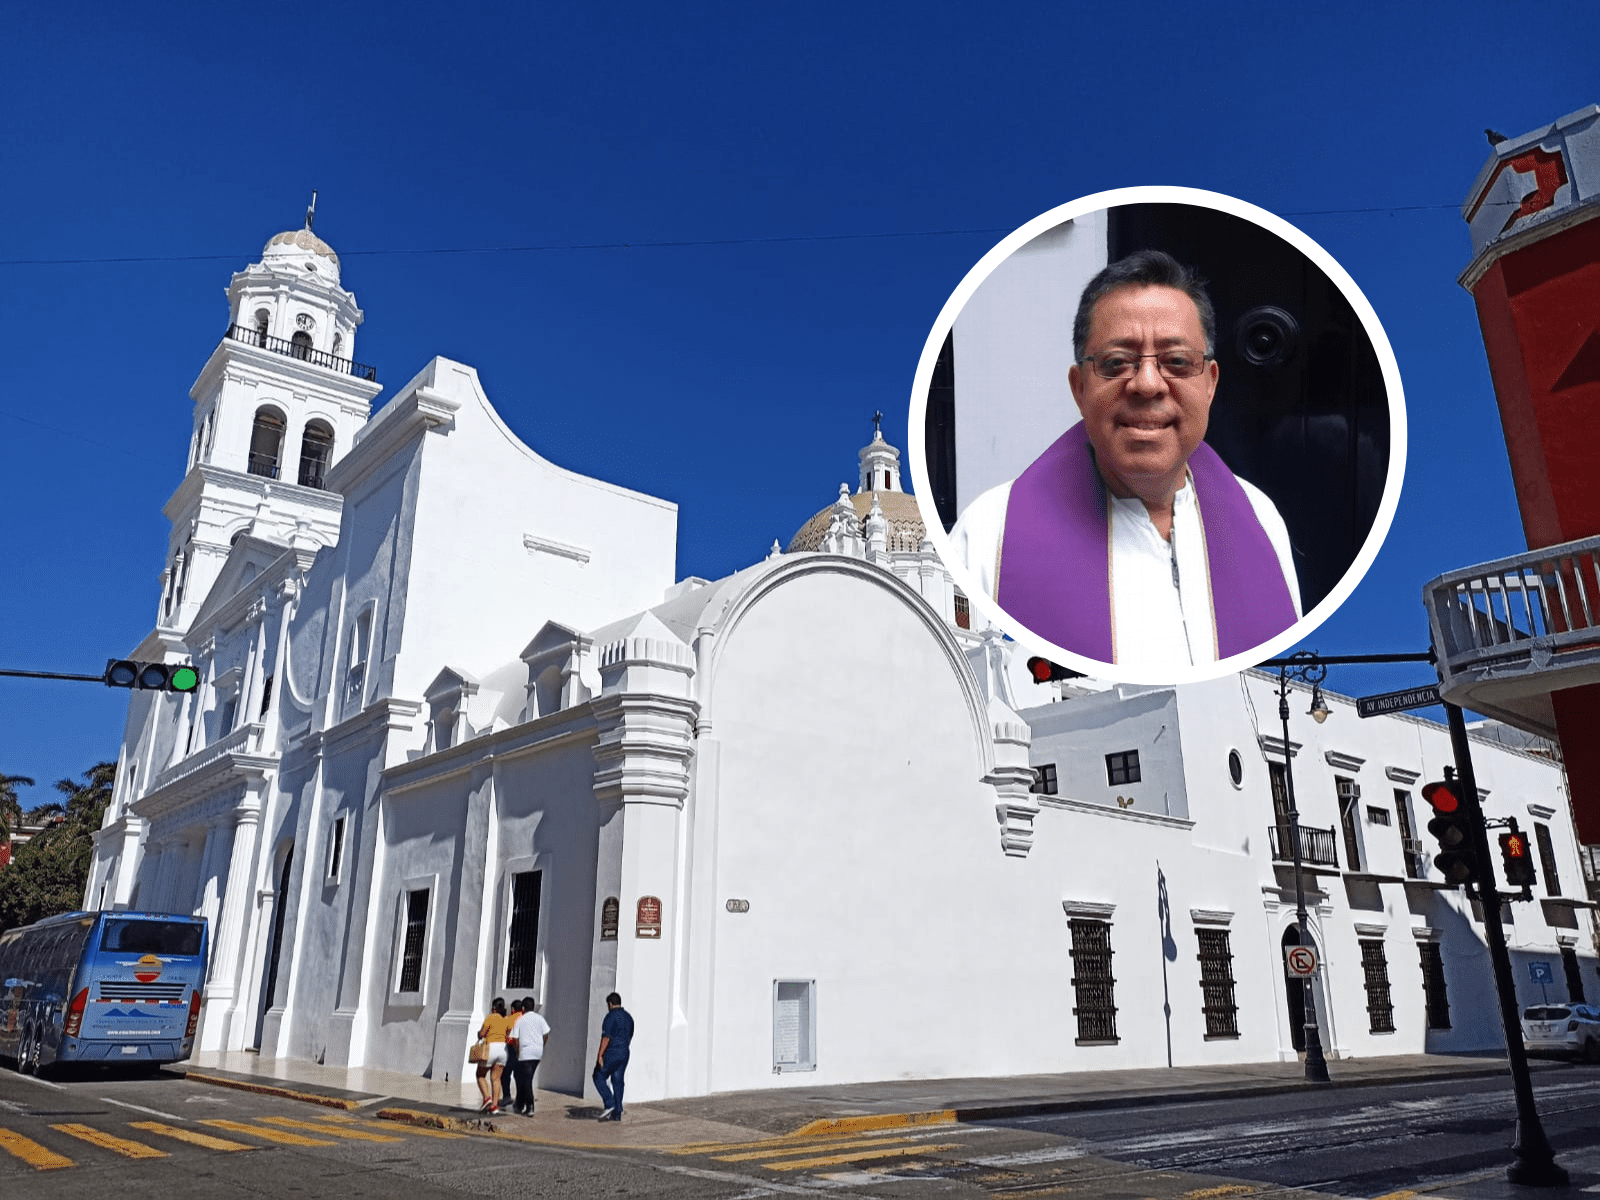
740, 1116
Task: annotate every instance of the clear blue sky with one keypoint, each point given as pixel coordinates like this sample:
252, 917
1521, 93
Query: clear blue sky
689, 248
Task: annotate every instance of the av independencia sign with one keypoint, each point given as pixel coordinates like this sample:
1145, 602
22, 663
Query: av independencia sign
1390, 702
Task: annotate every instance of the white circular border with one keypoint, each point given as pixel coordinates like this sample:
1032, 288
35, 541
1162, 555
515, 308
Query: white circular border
917, 440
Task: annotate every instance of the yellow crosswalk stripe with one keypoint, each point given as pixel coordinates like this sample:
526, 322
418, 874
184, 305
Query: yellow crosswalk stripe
29, 1151
193, 1136
358, 1135
709, 1147
107, 1141
829, 1160
281, 1136
797, 1148
396, 1126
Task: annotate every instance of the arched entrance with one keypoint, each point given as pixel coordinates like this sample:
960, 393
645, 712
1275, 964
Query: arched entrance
1295, 992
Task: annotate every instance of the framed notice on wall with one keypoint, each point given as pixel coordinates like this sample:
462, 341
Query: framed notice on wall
648, 924
610, 912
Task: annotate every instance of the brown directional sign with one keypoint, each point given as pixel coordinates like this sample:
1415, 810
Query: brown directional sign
1392, 702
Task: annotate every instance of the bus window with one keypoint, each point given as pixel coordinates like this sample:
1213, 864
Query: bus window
133, 936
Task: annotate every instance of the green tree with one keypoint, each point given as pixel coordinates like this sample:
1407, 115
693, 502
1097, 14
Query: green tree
10, 804
48, 874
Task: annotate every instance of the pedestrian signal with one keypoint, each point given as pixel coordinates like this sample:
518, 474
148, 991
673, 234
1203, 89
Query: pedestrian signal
1516, 858
151, 676
1452, 825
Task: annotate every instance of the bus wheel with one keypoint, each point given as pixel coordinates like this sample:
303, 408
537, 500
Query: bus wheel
28, 1053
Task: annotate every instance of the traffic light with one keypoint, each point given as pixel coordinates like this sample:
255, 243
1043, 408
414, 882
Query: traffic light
1044, 671
1452, 825
151, 676
1518, 861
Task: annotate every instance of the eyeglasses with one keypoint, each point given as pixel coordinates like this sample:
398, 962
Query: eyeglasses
1173, 364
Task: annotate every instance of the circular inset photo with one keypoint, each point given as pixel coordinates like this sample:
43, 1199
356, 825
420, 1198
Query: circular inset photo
1163, 435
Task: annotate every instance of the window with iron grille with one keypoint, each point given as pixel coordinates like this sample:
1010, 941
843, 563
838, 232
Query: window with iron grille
1216, 984
416, 940
1044, 779
523, 952
1547, 859
1092, 982
1375, 970
1569, 965
1433, 985
1122, 768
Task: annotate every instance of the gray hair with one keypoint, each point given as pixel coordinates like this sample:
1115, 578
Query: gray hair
1144, 268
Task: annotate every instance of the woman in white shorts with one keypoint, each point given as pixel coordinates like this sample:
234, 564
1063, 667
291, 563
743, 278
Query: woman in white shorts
495, 1027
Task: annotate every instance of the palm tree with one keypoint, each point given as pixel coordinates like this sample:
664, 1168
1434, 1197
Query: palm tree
10, 806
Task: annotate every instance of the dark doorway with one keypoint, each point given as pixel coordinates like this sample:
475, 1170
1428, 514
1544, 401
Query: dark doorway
1295, 991
1301, 410
280, 906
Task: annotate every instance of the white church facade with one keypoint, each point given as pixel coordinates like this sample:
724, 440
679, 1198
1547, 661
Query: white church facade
812, 823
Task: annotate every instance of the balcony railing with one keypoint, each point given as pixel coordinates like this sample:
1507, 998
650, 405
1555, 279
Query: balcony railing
1316, 846
289, 349
1516, 628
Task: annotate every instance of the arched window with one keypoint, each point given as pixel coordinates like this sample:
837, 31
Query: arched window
266, 442
300, 344
338, 343
263, 317
316, 452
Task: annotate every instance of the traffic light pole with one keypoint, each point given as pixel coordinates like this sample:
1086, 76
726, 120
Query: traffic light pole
1535, 1162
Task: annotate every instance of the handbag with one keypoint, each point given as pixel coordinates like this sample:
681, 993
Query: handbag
479, 1052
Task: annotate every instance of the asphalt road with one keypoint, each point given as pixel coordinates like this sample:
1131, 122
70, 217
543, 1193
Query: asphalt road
166, 1137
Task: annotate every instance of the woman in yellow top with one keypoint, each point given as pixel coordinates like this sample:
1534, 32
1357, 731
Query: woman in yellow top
495, 1027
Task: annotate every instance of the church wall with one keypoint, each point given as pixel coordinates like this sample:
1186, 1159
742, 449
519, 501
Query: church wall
504, 541
1076, 737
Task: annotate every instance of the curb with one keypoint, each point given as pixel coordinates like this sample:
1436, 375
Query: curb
268, 1089
829, 1125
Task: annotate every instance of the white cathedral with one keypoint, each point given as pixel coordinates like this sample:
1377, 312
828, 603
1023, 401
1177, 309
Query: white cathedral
811, 820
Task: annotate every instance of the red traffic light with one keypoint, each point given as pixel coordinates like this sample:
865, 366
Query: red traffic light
1442, 795
1044, 671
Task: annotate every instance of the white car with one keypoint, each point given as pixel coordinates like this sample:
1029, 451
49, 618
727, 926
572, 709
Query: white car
1562, 1029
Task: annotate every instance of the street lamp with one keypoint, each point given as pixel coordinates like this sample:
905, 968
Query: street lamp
1307, 668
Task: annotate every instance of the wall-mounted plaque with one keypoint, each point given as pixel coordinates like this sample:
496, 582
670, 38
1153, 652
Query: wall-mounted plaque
649, 918
610, 909
738, 906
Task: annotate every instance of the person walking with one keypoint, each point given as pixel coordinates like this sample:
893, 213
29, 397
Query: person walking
531, 1032
616, 1032
510, 1071
493, 1030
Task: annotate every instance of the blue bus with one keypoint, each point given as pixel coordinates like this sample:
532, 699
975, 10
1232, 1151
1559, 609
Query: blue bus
103, 987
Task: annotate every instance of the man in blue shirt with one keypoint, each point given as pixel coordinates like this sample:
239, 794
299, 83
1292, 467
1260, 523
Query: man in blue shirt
616, 1032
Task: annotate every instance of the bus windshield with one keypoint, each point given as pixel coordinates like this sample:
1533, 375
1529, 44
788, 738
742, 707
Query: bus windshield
179, 938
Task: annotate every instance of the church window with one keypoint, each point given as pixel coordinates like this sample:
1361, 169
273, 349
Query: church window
338, 342
356, 672
1235, 768
1123, 767
230, 710
1216, 984
263, 318
1044, 779
316, 450
1433, 987
335, 849
1547, 859
1375, 972
1349, 796
522, 952
266, 696
963, 612
300, 344
1093, 985
794, 1025
210, 435
185, 556
444, 729
266, 442
416, 940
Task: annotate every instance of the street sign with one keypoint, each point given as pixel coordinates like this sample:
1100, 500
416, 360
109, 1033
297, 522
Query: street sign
1302, 961
1541, 972
1391, 702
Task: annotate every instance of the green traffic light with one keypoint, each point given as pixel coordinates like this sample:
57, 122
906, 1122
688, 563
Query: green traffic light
184, 678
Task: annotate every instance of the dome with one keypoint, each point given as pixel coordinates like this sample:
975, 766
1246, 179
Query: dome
302, 248
906, 530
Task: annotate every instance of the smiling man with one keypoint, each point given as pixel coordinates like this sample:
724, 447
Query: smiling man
1128, 540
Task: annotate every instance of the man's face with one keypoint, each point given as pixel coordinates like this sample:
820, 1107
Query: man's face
1143, 428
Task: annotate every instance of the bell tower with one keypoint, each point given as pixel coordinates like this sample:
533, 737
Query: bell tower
277, 404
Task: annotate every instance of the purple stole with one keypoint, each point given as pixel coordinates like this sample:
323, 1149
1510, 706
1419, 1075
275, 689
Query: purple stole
1054, 573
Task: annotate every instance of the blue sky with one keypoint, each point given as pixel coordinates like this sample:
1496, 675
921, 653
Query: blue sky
689, 248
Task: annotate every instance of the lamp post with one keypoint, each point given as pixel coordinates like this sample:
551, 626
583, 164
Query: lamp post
1307, 668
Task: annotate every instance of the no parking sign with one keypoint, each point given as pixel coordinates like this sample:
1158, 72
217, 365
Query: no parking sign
1302, 961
